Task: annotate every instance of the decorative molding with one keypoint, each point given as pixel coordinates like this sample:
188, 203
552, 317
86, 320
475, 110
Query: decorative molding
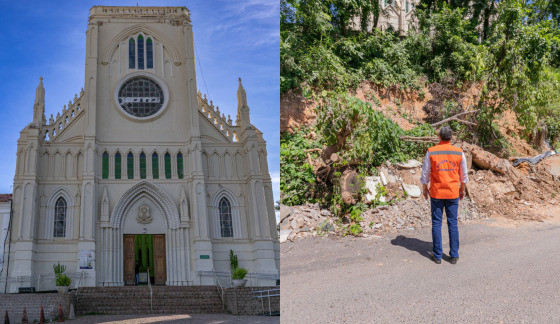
70, 204
235, 217
152, 192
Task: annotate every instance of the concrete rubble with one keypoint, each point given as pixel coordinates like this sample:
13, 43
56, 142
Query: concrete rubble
495, 189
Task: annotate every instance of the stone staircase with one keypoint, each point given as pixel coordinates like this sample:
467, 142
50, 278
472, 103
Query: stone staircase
136, 300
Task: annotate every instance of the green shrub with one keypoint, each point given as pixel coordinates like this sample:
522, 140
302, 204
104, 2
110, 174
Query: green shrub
63, 280
59, 269
239, 273
297, 180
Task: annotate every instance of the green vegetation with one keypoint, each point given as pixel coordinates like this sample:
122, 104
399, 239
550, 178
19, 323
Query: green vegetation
62, 280
508, 50
233, 262
239, 273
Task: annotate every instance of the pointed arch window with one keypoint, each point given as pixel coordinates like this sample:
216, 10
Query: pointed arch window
140, 52
131, 53
149, 54
118, 167
155, 166
105, 166
226, 227
180, 171
130, 165
60, 209
142, 165
167, 162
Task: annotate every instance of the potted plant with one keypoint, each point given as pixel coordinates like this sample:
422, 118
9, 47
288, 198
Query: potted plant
62, 281
238, 277
237, 274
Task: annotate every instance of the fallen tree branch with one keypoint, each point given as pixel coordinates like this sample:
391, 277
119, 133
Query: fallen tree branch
425, 139
454, 117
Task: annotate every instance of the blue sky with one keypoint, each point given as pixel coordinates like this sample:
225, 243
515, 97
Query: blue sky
233, 38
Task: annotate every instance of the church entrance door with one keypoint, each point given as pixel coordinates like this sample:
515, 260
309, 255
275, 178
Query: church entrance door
143, 252
128, 266
160, 272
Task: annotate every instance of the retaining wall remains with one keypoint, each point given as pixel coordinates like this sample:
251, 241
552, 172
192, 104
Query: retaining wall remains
242, 301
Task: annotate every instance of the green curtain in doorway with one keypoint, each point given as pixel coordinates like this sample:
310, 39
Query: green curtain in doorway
144, 252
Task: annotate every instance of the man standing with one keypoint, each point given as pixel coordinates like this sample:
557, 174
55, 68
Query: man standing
445, 167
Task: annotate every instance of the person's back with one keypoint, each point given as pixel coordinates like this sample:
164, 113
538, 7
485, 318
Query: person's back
445, 169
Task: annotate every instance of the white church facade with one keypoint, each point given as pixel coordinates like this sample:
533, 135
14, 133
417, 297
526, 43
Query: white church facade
140, 170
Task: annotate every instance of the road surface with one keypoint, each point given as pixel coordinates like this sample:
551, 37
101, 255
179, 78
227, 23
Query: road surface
506, 273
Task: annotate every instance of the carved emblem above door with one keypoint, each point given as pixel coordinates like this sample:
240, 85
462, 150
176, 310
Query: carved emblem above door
144, 216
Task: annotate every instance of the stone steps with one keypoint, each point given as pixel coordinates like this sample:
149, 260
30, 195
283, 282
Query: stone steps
135, 300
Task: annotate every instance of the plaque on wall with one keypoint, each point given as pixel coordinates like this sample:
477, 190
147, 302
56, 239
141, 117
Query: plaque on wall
86, 259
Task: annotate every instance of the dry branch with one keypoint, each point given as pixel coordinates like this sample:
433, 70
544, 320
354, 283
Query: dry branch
455, 117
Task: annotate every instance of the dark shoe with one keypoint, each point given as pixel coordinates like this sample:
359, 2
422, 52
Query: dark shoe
453, 260
437, 261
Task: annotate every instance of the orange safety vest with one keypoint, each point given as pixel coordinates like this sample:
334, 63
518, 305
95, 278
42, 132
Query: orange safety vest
445, 160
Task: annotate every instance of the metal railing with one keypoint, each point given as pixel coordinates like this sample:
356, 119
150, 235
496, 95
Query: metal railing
220, 289
151, 292
78, 288
262, 294
41, 282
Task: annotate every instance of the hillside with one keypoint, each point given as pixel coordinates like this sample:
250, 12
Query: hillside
355, 104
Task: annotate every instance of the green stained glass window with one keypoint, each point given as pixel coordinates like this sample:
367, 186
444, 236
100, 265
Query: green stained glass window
167, 160
130, 165
105, 166
155, 166
118, 168
140, 52
180, 165
142, 165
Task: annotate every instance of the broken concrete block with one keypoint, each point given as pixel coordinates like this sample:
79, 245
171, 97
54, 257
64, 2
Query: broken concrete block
284, 235
555, 165
412, 190
410, 164
383, 178
285, 212
284, 224
371, 184
502, 187
293, 223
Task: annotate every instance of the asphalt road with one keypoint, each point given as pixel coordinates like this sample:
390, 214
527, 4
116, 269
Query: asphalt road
504, 274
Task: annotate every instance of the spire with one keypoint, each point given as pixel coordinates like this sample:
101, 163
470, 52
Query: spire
39, 105
242, 107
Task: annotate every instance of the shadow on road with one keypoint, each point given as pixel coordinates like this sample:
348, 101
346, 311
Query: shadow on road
414, 244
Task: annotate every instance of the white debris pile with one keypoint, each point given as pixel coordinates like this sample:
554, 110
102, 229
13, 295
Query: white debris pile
409, 214
306, 220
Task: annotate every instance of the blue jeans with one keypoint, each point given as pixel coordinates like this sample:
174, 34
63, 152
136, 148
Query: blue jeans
451, 207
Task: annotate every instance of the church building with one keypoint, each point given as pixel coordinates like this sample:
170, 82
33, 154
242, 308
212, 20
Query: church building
139, 170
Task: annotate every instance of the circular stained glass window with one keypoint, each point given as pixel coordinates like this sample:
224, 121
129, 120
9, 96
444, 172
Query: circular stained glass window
140, 96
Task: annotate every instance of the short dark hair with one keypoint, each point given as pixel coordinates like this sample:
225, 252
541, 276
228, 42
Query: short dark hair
446, 133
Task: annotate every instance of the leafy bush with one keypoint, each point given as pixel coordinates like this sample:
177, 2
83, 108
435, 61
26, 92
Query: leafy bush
297, 178
233, 262
59, 269
239, 273
63, 280
371, 137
